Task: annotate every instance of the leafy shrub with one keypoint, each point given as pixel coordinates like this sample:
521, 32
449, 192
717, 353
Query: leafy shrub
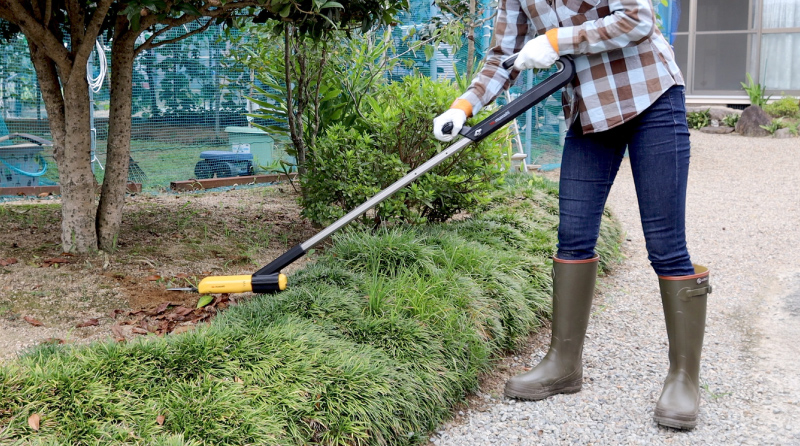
785, 107
755, 91
349, 165
774, 126
731, 120
698, 120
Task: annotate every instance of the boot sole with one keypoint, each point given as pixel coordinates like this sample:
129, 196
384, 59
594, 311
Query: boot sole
542, 393
675, 420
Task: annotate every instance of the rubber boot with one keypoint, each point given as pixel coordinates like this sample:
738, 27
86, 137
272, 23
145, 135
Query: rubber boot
561, 370
684, 300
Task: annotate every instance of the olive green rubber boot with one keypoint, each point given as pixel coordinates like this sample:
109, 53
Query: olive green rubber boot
684, 300
561, 370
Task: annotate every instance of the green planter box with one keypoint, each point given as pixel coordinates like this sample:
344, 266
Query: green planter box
258, 143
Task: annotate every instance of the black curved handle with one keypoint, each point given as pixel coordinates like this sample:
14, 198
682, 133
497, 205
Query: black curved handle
508, 64
447, 128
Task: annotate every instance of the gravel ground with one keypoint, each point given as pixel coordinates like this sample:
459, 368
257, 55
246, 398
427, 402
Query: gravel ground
742, 222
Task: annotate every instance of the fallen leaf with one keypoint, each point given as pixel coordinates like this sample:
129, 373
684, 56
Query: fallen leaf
54, 261
204, 300
161, 308
89, 323
53, 341
8, 261
115, 313
32, 321
117, 330
183, 311
43, 195
182, 276
160, 420
138, 330
34, 420
153, 277
182, 329
236, 379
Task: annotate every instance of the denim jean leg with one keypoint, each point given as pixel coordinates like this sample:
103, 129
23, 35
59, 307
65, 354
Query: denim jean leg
589, 165
659, 153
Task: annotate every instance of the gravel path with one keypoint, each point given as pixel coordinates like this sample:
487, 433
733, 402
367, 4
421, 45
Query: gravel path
742, 222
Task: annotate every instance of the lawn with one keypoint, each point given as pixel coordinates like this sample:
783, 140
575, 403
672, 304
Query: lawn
376, 340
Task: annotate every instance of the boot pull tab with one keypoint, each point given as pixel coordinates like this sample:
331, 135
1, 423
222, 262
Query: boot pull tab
685, 293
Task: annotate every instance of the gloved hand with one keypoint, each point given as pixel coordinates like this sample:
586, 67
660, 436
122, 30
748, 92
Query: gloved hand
457, 116
537, 53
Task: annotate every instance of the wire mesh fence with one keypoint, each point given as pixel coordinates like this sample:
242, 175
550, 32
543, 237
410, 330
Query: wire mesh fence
190, 105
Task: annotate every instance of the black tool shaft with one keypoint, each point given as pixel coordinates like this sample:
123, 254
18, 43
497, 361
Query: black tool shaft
566, 70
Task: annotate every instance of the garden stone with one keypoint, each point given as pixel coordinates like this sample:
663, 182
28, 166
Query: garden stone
716, 113
751, 121
720, 130
783, 134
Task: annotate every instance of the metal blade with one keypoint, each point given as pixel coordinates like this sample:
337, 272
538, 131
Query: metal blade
191, 289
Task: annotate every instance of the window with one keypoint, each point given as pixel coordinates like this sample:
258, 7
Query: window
717, 42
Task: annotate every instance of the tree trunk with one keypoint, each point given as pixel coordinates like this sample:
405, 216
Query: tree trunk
53, 100
112, 198
75, 168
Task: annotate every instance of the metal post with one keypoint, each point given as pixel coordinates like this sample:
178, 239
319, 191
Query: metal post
529, 121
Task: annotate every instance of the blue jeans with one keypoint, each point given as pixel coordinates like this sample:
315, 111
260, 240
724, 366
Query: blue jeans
658, 144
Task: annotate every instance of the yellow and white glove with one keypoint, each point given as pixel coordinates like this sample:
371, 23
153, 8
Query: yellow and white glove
537, 53
455, 115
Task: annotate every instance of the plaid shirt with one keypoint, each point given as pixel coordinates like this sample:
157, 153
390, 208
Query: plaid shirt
623, 63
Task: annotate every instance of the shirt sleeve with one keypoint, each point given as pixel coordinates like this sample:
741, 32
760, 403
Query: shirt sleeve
630, 23
510, 32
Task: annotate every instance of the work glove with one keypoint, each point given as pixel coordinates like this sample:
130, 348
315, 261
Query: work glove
537, 53
457, 116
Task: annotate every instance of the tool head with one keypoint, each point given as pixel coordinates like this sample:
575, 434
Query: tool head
262, 284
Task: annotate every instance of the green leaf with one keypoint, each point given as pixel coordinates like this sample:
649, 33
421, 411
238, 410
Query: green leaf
205, 300
331, 94
332, 5
285, 11
429, 52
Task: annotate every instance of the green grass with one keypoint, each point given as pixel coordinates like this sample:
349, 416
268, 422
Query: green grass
373, 344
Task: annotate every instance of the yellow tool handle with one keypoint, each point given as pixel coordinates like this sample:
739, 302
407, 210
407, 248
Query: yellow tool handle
225, 284
236, 284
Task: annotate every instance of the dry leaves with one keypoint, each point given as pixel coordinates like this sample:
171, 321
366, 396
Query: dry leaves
167, 317
55, 260
33, 321
8, 261
34, 420
160, 420
153, 278
89, 323
118, 335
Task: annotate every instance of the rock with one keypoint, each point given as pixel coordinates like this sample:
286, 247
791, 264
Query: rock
721, 130
717, 113
752, 118
783, 134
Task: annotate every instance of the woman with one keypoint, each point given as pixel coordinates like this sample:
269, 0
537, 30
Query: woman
628, 93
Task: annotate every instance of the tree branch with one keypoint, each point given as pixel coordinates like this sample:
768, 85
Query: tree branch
39, 35
148, 44
92, 31
76, 31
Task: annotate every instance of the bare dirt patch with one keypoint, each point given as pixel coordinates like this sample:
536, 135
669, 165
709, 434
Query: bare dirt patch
166, 240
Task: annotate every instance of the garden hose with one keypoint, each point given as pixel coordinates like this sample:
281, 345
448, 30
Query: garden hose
16, 169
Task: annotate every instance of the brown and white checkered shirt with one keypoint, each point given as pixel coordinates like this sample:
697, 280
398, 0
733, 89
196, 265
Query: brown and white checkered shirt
622, 61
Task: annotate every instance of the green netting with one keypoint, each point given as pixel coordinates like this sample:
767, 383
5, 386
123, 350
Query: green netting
189, 99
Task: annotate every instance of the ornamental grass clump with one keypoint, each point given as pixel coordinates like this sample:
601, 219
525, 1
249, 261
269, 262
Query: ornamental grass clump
373, 344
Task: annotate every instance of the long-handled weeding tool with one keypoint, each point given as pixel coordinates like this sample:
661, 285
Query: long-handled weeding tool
269, 278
